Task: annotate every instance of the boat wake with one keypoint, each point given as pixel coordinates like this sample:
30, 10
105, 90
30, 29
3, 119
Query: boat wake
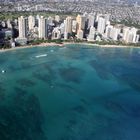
42, 55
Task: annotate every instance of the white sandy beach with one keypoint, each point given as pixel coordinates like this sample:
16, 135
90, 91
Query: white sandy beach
114, 46
103, 46
63, 44
32, 46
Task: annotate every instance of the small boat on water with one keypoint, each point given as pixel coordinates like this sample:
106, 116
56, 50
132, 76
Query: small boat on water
42, 55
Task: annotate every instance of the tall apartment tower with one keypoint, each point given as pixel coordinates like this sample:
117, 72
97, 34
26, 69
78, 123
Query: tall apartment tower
91, 35
56, 33
101, 25
80, 34
134, 31
42, 27
130, 35
22, 25
74, 26
67, 27
57, 18
108, 31
65, 30
50, 20
9, 24
91, 20
80, 22
31, 22
125, 33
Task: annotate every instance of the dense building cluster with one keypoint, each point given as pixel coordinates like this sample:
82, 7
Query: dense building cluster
87, 27
90, 27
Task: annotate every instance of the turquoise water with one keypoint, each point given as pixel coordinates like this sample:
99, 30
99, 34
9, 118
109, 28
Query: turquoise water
75, 92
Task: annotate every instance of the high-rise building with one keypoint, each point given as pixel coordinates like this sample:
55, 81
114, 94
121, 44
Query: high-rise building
115, 31
42, 27
85, 15
80, 34
31, 22
65, 30
74, 26
98, 16
50, 20
91, 20
107, 17
68, 24
134, 31
130, 35
101, 25
91, 35
22, 25
56, 34
57, 18
137, 38
23, 30
67, 27
125, 33
62, 28
9, 24
108, 31
16, 22
81, 19
37, 17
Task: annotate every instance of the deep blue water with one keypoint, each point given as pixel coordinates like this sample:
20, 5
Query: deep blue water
76, 92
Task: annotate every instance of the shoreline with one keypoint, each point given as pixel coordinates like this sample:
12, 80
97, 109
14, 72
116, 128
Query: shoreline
66, 43
31, 46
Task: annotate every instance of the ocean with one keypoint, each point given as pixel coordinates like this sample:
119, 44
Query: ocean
76, 92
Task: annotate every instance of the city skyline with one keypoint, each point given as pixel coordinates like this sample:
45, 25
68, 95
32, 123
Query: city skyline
84, 26
92, 20
88, 27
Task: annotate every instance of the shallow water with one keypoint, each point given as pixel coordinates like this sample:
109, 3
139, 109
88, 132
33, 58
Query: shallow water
74, 93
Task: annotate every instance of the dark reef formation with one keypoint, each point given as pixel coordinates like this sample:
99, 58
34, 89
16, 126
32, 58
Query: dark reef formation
2, 92
25, 82
71, 74
44, 77
22, 119
122, 72
102, 73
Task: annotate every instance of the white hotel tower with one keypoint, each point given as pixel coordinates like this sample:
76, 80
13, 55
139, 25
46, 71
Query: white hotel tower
31, 22
67, 27
22, 25
42, 27
101, 25
91, 35
130, 35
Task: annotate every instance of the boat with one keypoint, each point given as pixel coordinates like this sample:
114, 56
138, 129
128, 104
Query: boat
42, 55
